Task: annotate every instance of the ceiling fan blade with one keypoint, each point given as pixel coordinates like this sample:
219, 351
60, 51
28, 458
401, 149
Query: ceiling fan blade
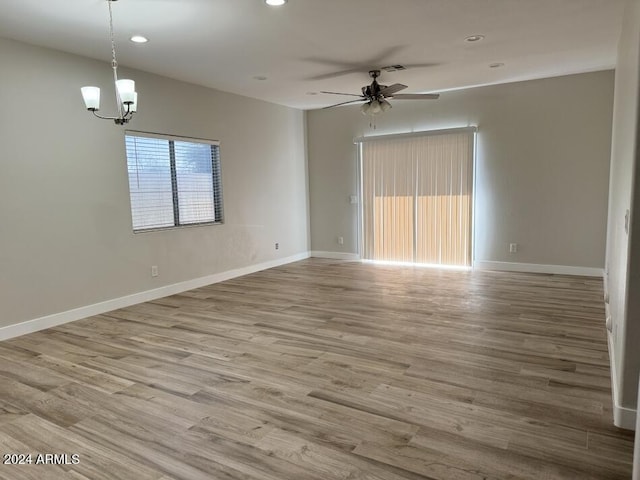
332, 62
416, 96
391, 89
345, 103
338, 93
407, 66
326, 76
349, 68
385, 54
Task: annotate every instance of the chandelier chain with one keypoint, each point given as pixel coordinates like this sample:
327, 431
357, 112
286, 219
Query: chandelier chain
114, 62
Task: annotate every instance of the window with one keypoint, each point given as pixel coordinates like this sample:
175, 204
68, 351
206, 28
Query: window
173, 181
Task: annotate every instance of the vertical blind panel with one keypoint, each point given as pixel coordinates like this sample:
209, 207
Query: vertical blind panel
417, 199
389, 188
149, 182
194, 171
443, 192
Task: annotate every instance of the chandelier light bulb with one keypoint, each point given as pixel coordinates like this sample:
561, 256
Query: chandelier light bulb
375, 108
126, 90
133, 108
91, 96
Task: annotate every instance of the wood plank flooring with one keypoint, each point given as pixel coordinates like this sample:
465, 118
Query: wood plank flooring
325, 370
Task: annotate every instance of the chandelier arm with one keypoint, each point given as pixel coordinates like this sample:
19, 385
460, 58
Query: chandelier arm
103, 117
128, 114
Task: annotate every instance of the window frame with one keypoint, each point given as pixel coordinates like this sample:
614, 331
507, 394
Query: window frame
216, 180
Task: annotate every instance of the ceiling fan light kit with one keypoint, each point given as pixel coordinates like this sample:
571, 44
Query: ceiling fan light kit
375, 107
126, 95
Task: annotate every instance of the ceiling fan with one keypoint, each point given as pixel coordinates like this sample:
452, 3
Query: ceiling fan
376, 96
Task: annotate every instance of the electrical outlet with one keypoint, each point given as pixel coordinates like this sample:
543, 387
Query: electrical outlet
154, 270
277, 245
513, 248
340, 240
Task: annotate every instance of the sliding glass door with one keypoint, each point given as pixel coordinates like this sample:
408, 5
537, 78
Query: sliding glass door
417, 195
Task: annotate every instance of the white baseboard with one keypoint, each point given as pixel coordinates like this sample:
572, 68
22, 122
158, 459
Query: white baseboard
623, 417
538, 268
49, 321
336, 255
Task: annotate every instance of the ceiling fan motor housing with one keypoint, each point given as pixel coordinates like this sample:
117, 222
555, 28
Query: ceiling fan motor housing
372, 92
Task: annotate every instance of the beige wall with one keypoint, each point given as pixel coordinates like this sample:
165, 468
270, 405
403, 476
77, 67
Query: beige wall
542, 166
65, 224
623, 250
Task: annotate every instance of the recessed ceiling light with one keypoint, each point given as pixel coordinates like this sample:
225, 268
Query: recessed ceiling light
474, 38
139, 39
275, 3
496, 65
260, 77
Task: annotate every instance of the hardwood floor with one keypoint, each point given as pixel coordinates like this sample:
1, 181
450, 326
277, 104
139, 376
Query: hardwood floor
325, 370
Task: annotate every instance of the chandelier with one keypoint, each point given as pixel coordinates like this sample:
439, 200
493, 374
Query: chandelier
126, 95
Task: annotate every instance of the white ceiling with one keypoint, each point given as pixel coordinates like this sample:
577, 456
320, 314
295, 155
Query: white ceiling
224, 44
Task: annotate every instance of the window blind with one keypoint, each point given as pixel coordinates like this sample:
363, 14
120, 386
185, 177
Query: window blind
173, 182
417, 198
